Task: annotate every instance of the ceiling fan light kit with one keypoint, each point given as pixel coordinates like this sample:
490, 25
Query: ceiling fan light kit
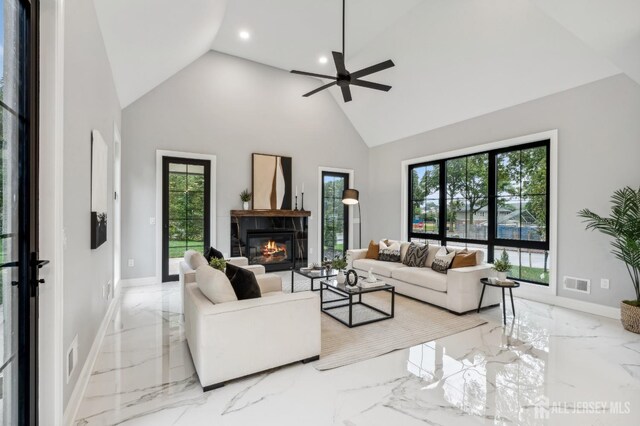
344, 78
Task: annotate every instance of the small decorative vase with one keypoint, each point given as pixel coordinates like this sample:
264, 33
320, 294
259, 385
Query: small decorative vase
502, 276
341, 277
245, 205
630, 317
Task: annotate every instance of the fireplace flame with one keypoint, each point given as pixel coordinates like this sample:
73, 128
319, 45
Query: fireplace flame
273, 249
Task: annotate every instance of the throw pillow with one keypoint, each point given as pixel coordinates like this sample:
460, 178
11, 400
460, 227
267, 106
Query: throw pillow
416, 255
373, 251
389, 253
215, 285
443, 260
244, 282
212, 253
464, 258
194, 259
403, 250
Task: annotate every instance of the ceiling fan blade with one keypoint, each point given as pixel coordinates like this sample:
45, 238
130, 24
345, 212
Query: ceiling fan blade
371, 85
338, 58
373, 68
312, 74
346, 93
313, 92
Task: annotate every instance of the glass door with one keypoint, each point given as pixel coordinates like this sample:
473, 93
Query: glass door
185, 211
19, 263
335, 215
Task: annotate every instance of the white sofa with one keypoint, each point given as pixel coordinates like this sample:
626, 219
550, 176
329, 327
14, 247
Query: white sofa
234, 339
458, 290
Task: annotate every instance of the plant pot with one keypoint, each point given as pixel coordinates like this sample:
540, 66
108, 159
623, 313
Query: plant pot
341, 277
245, 205
630, 316
502, 276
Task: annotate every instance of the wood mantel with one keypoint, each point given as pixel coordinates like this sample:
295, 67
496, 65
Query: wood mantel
270, 213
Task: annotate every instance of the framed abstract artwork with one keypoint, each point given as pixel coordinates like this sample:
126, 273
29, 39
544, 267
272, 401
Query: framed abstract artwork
99, 189
271, 182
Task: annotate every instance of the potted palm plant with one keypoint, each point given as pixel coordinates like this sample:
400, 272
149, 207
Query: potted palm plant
502, 265
623, 225
245, 197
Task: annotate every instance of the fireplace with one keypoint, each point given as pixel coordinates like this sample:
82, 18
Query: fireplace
272, 248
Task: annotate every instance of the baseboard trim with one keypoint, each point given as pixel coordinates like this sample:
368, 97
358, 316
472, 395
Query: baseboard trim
576, 305
71, 410
136, 282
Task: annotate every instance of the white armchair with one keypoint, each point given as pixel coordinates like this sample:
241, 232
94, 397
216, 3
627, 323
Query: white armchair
234, 339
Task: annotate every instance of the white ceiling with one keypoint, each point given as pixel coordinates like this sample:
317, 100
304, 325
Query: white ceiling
454, 59
148, 41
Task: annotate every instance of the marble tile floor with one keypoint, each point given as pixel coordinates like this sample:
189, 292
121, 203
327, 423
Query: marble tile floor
549, 366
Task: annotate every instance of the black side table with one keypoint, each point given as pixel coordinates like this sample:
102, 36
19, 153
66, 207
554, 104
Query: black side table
485, 282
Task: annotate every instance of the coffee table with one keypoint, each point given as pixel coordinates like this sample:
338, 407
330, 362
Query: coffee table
351, 298
312, 275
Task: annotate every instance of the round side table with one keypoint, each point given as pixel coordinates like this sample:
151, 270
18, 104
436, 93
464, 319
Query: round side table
485, 282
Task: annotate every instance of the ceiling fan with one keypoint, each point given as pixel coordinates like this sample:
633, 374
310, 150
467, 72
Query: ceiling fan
344, 78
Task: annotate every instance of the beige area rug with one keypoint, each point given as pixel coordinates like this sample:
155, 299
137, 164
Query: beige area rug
414, 323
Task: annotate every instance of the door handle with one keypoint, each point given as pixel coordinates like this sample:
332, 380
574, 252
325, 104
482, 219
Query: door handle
10, 265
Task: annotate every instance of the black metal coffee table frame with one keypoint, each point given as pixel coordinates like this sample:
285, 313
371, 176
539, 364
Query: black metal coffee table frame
322, 275
485, 282
349, 296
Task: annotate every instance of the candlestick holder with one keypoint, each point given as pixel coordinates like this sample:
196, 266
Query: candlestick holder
296, 209
302, 204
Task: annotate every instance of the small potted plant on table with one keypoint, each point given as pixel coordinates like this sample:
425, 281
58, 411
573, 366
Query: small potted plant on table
624, 227
502, 265
339, 262
245, 196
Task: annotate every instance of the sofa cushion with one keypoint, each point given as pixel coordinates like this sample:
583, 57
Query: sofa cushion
379, 267
373, 250
215, 285
433, 250
422, 277
244, 282
416, 255
194, 259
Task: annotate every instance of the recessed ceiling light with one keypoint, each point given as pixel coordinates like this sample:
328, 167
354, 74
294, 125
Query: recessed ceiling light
244, 35
323, 59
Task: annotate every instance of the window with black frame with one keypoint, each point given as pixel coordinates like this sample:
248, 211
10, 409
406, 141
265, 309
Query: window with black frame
492, 201
335, 218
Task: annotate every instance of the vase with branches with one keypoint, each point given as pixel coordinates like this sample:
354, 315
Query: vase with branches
623, 226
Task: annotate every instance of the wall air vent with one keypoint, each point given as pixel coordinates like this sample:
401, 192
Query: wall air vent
581, 285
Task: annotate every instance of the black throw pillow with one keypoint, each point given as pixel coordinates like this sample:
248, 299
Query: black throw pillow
213, 254
243, 281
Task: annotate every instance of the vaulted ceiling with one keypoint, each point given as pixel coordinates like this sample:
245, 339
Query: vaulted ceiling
454, 59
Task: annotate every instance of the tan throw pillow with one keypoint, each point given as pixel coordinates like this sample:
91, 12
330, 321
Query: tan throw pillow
464, 258
372, 252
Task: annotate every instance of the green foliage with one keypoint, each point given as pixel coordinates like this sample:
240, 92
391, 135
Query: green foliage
334, 215
623, 225
219, 264
245, 196
503, 264
339, 261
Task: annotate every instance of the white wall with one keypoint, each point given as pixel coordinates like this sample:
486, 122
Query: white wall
90, 102
598, 152
229, 107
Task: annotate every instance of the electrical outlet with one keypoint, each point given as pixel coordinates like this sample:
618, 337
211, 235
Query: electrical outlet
152, 221
131, 263
106, 290
604, 283
72, 357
